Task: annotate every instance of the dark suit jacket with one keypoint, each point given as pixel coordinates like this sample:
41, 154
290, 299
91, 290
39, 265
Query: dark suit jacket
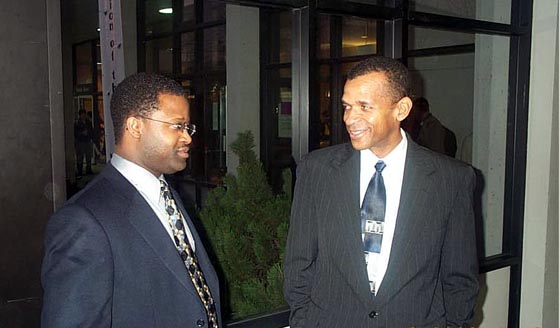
431, 278
110, 263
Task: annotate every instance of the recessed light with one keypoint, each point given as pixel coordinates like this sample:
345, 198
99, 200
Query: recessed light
166, 10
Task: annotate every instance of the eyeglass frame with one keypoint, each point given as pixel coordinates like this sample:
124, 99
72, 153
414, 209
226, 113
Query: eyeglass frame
190, 128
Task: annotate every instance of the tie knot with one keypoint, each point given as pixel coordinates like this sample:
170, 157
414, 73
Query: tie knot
164, 187
379, 166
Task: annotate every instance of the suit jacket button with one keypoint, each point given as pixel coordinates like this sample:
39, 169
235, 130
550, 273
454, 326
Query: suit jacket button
200, 323
373, 314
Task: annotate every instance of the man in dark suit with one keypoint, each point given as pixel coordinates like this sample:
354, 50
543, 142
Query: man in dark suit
123, 252
382, 230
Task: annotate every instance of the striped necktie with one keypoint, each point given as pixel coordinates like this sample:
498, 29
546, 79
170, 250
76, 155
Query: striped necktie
188, 256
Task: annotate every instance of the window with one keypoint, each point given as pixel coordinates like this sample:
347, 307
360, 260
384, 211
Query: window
186, 40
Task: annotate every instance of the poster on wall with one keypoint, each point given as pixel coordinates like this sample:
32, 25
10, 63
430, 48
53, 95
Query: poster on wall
112, 61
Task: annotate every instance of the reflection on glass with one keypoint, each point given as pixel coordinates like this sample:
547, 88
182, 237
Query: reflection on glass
493, 11
425, 38
214, 48
280, 107
346, 67
213, 10
467, 92
323, 50
278, 38
188, 11
159, 56
489, 132
285, 37
158, 18
188, 59
359, 37
325, 107
84, 73
99, 67
215, 110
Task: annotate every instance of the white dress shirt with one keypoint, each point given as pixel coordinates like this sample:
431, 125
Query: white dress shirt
393, 175
150, 188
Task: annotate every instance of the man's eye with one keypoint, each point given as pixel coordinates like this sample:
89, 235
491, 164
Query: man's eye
346, 106
366, 108
176, 126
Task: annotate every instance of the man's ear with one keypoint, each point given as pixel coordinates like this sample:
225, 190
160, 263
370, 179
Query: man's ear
134, 127
403, 108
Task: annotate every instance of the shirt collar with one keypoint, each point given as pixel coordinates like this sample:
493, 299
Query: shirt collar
145, 182
396, 158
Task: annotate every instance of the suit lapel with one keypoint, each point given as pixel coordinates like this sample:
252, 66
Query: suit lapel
146, 223
352, 260
414, 197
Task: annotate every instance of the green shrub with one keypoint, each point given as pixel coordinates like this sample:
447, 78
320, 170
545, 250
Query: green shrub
247, 227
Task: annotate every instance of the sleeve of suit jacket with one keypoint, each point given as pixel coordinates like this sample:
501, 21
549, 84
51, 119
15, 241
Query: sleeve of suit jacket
77, 272
459, 266
301, 248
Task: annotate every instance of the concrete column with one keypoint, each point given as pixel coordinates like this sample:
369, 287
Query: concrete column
31, 134
538, 307
243, 77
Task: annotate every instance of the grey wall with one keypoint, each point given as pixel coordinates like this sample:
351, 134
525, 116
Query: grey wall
30, 98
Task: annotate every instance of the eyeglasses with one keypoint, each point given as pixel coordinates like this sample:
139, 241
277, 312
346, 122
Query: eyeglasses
188, 127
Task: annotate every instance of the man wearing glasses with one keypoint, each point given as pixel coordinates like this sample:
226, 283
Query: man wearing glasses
123, 252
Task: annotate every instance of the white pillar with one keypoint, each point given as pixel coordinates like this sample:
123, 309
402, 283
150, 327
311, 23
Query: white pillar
243, 77
538, 305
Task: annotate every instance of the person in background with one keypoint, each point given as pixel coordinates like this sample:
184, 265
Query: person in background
83, 134
382, 230
123, 252
431, 133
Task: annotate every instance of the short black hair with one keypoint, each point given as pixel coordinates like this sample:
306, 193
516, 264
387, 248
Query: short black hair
397, 75
138, 95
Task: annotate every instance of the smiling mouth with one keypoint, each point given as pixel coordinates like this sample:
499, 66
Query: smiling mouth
183, 152
356, 133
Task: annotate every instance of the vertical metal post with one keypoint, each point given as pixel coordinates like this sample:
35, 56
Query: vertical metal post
300, 83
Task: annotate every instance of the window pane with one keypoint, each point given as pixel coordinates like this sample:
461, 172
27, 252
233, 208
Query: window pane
370, 2
467, 93
214, 10
359, 37
188, 11
188, 59
494, 11
214, 48
158, 18
214, 139
159, 56
425, 38
285, 30
278, 38
84, 73
99, 67
323, 50
325, 107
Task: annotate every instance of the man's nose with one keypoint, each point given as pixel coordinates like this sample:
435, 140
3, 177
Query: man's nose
349, 116
186, 137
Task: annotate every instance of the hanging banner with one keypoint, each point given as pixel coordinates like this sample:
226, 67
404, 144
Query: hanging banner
112, 59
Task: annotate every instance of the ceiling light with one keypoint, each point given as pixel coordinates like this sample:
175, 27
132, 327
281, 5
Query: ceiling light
166, 10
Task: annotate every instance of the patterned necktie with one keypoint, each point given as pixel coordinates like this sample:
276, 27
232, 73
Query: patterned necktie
188, 256
372, 215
